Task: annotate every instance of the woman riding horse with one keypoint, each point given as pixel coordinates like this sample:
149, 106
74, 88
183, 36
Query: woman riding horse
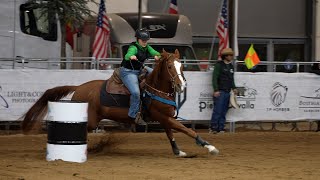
131, 67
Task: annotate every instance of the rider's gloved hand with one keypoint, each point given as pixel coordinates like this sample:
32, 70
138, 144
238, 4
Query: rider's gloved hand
133, 58
156, 58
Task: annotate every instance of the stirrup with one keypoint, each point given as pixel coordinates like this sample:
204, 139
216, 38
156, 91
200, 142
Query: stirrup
139, 120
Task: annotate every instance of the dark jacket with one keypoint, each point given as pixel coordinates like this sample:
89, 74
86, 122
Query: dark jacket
223, 77
142, 53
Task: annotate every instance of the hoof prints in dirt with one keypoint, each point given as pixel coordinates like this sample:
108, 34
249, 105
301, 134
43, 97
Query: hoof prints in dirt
105, 143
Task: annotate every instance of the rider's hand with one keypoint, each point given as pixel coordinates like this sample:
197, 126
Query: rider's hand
235, 91
133, 58
156, 58
216, 93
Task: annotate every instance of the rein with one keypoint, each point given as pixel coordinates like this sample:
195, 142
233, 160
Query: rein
165, 93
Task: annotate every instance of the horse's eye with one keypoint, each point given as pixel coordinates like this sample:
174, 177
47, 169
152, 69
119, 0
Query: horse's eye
169, 67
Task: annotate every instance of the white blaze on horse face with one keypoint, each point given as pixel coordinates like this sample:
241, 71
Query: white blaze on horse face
177, 65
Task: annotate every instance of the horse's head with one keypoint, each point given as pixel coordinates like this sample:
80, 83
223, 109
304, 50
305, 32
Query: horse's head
173, 70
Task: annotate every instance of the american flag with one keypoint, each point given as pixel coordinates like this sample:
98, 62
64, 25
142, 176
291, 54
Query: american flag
173, 7
101, 40
222, 28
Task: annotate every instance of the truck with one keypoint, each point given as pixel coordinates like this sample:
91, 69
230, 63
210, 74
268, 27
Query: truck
25, 34
167, 31
28, 40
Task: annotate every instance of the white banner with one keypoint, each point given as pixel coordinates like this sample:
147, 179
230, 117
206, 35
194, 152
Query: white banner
264, 96
19, 89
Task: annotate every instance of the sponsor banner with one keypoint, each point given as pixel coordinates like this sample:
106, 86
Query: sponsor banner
263, 96
20, 89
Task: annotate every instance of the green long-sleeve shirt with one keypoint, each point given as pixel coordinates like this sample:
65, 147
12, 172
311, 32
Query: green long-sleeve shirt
223, 77
132, 51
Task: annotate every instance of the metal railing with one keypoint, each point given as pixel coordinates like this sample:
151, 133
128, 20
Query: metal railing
110, 63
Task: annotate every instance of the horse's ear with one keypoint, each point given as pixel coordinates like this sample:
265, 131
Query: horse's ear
177, 54
164, 53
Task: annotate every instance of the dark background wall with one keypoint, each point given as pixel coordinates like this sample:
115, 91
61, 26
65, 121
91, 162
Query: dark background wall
257, 18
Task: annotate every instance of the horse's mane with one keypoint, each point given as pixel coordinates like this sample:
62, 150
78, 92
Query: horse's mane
155, 76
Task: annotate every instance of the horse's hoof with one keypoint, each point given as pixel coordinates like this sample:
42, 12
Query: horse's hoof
181, 154
212, 150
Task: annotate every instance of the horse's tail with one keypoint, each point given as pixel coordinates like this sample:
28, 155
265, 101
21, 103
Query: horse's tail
33, 117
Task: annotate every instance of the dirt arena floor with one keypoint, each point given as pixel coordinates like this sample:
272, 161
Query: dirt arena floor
246, 154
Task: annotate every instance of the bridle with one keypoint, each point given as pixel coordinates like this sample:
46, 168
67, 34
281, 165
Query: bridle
172, 78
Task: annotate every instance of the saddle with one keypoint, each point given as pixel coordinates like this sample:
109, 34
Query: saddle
114, 93
115, 86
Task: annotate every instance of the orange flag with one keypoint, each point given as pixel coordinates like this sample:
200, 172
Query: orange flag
252, 58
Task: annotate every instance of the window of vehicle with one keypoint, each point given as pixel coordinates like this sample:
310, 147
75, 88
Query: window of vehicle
35, 21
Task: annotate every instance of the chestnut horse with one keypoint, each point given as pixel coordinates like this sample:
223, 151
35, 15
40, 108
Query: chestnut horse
165, 80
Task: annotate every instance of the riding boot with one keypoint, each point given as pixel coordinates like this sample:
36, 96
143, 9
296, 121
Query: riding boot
139, 120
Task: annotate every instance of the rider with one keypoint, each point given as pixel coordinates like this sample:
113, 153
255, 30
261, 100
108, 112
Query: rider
131, 67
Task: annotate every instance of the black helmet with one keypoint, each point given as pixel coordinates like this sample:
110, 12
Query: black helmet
142, 34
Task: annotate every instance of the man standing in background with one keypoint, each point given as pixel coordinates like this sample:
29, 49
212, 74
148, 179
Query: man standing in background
223, 83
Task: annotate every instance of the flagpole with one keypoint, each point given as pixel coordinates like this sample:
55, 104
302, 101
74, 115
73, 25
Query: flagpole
235, 29
214, 37
211, 49
166, 7
139, 15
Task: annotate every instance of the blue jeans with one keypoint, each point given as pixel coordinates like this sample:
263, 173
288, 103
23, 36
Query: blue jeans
130, 79
149, 69
220, 109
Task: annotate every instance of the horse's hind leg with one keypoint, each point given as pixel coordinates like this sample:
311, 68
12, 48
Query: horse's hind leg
92, 118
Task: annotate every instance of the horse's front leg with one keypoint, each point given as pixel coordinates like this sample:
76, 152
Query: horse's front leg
172, 123
212, 150
176, 125
174, 146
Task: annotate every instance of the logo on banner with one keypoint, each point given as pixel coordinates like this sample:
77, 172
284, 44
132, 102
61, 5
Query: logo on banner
278, 96
19, 97
3, 101
247, 97
205, 101
310, 103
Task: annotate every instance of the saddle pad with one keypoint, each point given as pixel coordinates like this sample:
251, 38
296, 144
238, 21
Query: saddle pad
113, 100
